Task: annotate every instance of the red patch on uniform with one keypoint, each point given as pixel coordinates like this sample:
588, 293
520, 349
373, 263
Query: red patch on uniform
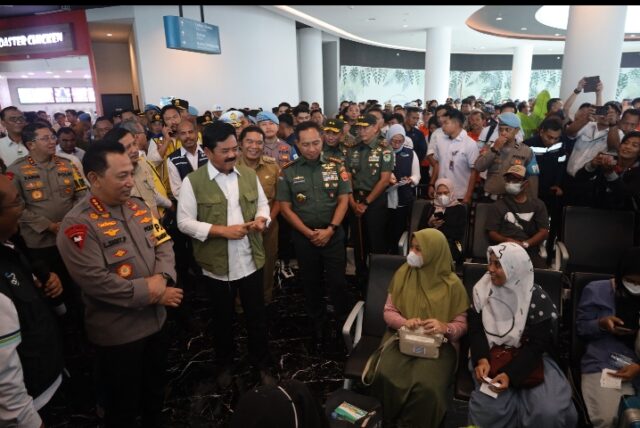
125, 270
344, 175
10, 175
77, 234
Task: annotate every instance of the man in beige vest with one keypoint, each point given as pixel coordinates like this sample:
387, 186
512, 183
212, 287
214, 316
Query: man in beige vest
223, 208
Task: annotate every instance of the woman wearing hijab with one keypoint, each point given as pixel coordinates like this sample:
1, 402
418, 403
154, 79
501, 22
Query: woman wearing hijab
510, 311
401, 192
424, 292
448, 216
608, 319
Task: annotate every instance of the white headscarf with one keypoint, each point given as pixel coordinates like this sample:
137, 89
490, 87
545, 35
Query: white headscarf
449, 185
505, 307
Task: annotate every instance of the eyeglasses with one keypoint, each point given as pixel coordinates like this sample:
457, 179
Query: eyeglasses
47, 138
17, 119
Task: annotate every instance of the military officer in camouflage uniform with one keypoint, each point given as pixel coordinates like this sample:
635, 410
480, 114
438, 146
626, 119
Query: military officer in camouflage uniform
370, 163
267, 170
314, 193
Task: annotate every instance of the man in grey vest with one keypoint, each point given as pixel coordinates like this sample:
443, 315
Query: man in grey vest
223, 208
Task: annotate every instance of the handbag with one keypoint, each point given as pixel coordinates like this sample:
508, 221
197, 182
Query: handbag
417, 343
500, 356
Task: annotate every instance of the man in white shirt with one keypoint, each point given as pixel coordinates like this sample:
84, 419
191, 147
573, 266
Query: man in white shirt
186, 159
11, 146
67, 143
223, 208
456, 154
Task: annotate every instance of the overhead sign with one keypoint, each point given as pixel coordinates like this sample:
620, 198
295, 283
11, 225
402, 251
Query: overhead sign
31, 40
189, 35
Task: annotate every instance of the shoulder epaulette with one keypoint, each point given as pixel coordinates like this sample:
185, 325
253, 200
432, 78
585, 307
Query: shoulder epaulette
334, 160
268, 159
288, 164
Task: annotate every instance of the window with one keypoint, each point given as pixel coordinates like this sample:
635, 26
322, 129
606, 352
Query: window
36, 95
83, 95
60, 95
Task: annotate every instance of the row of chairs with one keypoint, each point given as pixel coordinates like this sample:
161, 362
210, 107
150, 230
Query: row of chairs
592, 240
365, 326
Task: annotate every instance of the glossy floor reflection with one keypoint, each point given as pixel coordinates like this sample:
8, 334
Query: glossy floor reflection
193, 399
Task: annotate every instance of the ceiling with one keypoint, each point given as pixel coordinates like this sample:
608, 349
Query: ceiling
404, 27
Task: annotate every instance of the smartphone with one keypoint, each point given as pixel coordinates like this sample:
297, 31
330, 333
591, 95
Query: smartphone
622, 330
491, 382
439, 215
601, 110
591, 83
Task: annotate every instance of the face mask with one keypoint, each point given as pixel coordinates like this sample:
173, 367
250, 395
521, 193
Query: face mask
414, 260
513, 188
633, 289
444, 200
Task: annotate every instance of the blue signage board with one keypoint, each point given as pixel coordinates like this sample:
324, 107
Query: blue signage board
189, 35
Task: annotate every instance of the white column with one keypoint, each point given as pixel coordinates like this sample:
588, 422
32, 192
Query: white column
437, 64
310, 60
521, 72
593, 48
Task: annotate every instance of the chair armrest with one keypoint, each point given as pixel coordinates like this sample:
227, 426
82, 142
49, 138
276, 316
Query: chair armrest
403, 244
562, 257
356, 315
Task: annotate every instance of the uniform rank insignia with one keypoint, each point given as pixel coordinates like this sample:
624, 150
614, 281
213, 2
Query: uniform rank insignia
111, 232
125, 270
37, 194
115, 241
77, 234
301, 198
140, 213
120, 253
145, 220
107, 223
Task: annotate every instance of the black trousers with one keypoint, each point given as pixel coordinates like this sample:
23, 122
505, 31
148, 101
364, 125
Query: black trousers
134, 377
369, 231
285, 247
316, 264
222, 295
398, 223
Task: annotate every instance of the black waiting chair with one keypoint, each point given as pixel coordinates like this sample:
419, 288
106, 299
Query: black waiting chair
579, 280
549, 280
366, 318
477, 250
417, 211
593, 240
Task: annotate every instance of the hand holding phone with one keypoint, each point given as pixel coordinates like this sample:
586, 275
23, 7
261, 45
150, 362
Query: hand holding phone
591, 83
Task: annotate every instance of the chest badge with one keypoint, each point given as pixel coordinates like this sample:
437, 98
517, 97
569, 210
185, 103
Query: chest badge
301, 198
37, 194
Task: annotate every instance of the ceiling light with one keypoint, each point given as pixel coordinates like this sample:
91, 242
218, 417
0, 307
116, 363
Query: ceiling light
633, 35
523, 28
549, 49
405, 26
482, 47
557, 34
109, 34
499, 18
86, 76
24, 76
68, 71
49, 72
31, 73
557, 57
56, 76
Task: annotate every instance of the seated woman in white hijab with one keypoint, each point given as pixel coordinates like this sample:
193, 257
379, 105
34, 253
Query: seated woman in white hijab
510, 311
448, 216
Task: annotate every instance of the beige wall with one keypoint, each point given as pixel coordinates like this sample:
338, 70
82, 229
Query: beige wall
113, 68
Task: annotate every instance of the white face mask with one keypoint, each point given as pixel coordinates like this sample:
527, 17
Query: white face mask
414, 260
444, 200
633, 289
513, 188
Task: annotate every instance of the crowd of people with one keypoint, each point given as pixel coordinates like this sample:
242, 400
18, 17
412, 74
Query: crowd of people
107, 226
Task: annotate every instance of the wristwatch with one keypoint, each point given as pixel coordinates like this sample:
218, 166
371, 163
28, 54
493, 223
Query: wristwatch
333, 226
167, 277
525, 244
365, 202
577, 91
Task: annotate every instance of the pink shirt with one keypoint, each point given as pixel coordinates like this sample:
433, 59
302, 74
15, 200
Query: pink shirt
395, 320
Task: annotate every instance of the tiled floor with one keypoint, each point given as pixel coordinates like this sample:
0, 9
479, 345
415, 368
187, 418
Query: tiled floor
192, 398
